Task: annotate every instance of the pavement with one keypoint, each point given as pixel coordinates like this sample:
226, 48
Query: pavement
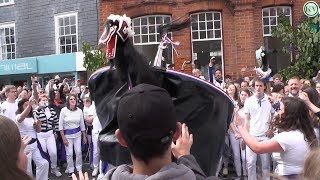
85, 168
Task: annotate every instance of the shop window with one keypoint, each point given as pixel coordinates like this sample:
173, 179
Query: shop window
270, 17
206, 33
7, 41
147, 37
66, 28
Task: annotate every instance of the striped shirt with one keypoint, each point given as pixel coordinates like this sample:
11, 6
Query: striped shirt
47, 124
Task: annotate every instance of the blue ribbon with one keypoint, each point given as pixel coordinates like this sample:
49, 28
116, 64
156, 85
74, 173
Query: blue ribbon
43, 154
71, 131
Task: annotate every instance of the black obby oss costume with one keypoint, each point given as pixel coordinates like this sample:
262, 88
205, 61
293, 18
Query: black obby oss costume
206, 109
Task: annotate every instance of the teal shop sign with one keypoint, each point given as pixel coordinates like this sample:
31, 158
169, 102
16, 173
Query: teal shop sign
311, 9
18, 66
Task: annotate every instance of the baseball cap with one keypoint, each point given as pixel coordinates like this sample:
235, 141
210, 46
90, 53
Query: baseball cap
146, 114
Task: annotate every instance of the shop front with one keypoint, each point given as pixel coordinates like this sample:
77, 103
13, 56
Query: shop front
18, 71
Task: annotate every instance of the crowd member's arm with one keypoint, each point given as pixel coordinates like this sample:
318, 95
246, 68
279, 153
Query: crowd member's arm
235, 132
256, 146
51, 93
247, 116
3, 91
55, 126
61, 129
34, 81
83, 128
62, 95
26, 111
312, 107
83, 93
89, 119
181, 151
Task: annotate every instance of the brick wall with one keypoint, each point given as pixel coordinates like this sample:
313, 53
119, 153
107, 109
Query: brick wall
241, 22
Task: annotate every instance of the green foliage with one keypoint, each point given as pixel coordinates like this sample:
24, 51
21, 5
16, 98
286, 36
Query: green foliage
94, 57
304, 42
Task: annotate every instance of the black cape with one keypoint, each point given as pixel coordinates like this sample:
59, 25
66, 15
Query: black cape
205, 108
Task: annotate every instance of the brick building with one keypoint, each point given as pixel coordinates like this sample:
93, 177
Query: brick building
231, 30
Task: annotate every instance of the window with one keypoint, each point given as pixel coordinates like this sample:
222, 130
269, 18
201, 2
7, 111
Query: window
206, 33
277, 58
270, 17
66, 28
147, 36
7, 41
6, 2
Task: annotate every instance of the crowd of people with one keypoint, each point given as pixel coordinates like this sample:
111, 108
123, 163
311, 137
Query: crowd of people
57, 120
276, 123
272, 132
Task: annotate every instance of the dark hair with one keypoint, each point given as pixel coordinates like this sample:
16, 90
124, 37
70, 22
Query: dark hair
68, 101
217, 70
228, 77
296, 117
10, 144
20, 107
257, 79
244, 82
236, 94
246, 90
277, 88
312, 94
277, 76
145, 149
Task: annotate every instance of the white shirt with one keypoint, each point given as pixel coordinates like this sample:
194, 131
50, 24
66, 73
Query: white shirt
9, 109
96, 126
85, 111
295, 149
26, 127
260, 116
71, 120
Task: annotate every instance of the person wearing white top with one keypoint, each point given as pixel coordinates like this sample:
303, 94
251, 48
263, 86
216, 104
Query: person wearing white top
71, 126
49, 128
95, 137
258, 114
28, 126
239, 156
295, 139
9, 107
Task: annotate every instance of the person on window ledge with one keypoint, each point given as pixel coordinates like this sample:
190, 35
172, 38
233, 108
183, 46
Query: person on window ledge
215, 76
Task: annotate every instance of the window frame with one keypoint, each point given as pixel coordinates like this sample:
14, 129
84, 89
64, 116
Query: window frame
148, 33
209, 39
9, 25
276, 16
56, 26
11, 2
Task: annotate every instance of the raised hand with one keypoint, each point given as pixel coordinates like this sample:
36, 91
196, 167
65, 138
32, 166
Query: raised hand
25, 141
183, 144
82, 176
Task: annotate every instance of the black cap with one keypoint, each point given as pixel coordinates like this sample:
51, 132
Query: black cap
146, 113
